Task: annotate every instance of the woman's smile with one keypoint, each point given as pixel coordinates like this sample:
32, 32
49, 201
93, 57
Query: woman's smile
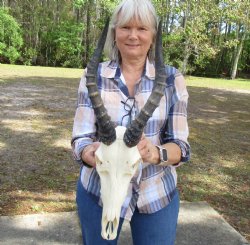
133, 45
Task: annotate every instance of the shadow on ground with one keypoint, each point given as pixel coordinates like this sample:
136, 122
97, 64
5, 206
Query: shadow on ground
37, 172
35, 132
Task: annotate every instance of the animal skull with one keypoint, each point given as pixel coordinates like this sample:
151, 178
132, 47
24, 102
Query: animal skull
116, 164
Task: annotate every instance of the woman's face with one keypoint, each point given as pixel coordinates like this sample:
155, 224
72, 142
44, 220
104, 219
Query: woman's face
134, 39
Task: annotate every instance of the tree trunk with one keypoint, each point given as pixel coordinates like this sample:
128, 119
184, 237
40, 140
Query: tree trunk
237, 56
185, 59
185, 17
77, 15
86, 42
4, 3
172, 14
220, 62
166, 29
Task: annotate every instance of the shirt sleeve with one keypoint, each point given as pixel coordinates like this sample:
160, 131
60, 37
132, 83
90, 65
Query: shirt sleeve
177, 130
84, 129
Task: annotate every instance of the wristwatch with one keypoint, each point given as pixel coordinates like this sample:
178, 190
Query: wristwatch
163, 154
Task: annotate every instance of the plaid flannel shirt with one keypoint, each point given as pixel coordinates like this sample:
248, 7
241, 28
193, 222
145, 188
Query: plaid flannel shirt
153, 188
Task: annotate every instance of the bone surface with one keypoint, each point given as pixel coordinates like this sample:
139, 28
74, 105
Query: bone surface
116, 164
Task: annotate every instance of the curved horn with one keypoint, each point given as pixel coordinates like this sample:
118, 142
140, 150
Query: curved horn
106, 128
134, 132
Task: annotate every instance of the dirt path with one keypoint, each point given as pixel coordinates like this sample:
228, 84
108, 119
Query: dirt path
37, 173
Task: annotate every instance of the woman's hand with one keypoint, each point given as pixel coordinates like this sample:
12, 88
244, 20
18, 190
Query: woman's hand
88, 154
148, 151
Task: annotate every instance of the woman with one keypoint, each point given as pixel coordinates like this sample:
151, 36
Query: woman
125, 82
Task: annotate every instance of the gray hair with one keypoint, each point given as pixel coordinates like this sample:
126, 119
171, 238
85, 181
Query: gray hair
141, 10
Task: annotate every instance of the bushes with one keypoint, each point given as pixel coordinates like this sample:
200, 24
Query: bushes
10, 37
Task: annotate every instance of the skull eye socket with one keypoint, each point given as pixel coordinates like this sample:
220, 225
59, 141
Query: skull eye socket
130, 169
99, 163
103, 167
133, 166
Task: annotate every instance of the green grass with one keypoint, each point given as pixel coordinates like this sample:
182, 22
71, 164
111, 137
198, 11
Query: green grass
219, 83
37, 171
10, 71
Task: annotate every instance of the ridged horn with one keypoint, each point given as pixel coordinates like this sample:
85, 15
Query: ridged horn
106, 129
134, 132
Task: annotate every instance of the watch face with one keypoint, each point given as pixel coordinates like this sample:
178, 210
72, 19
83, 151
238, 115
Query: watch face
164, 155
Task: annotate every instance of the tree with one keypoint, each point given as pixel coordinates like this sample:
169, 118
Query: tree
231, 36
10, 37
200, 37
242, 28
193, 24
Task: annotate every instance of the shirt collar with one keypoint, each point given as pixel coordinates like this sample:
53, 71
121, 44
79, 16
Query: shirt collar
111, 70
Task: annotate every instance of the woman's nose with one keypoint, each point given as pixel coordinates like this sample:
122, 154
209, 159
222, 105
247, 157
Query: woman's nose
133, 33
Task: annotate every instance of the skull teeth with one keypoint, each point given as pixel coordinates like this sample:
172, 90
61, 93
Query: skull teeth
110, 229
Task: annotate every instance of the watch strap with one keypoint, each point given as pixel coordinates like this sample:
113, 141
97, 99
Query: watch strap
163, 155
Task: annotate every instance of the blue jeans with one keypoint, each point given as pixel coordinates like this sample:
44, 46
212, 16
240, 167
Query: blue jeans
158, 228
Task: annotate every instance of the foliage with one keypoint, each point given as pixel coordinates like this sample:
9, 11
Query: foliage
10, 37
172, 50
66, 41
28, 55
